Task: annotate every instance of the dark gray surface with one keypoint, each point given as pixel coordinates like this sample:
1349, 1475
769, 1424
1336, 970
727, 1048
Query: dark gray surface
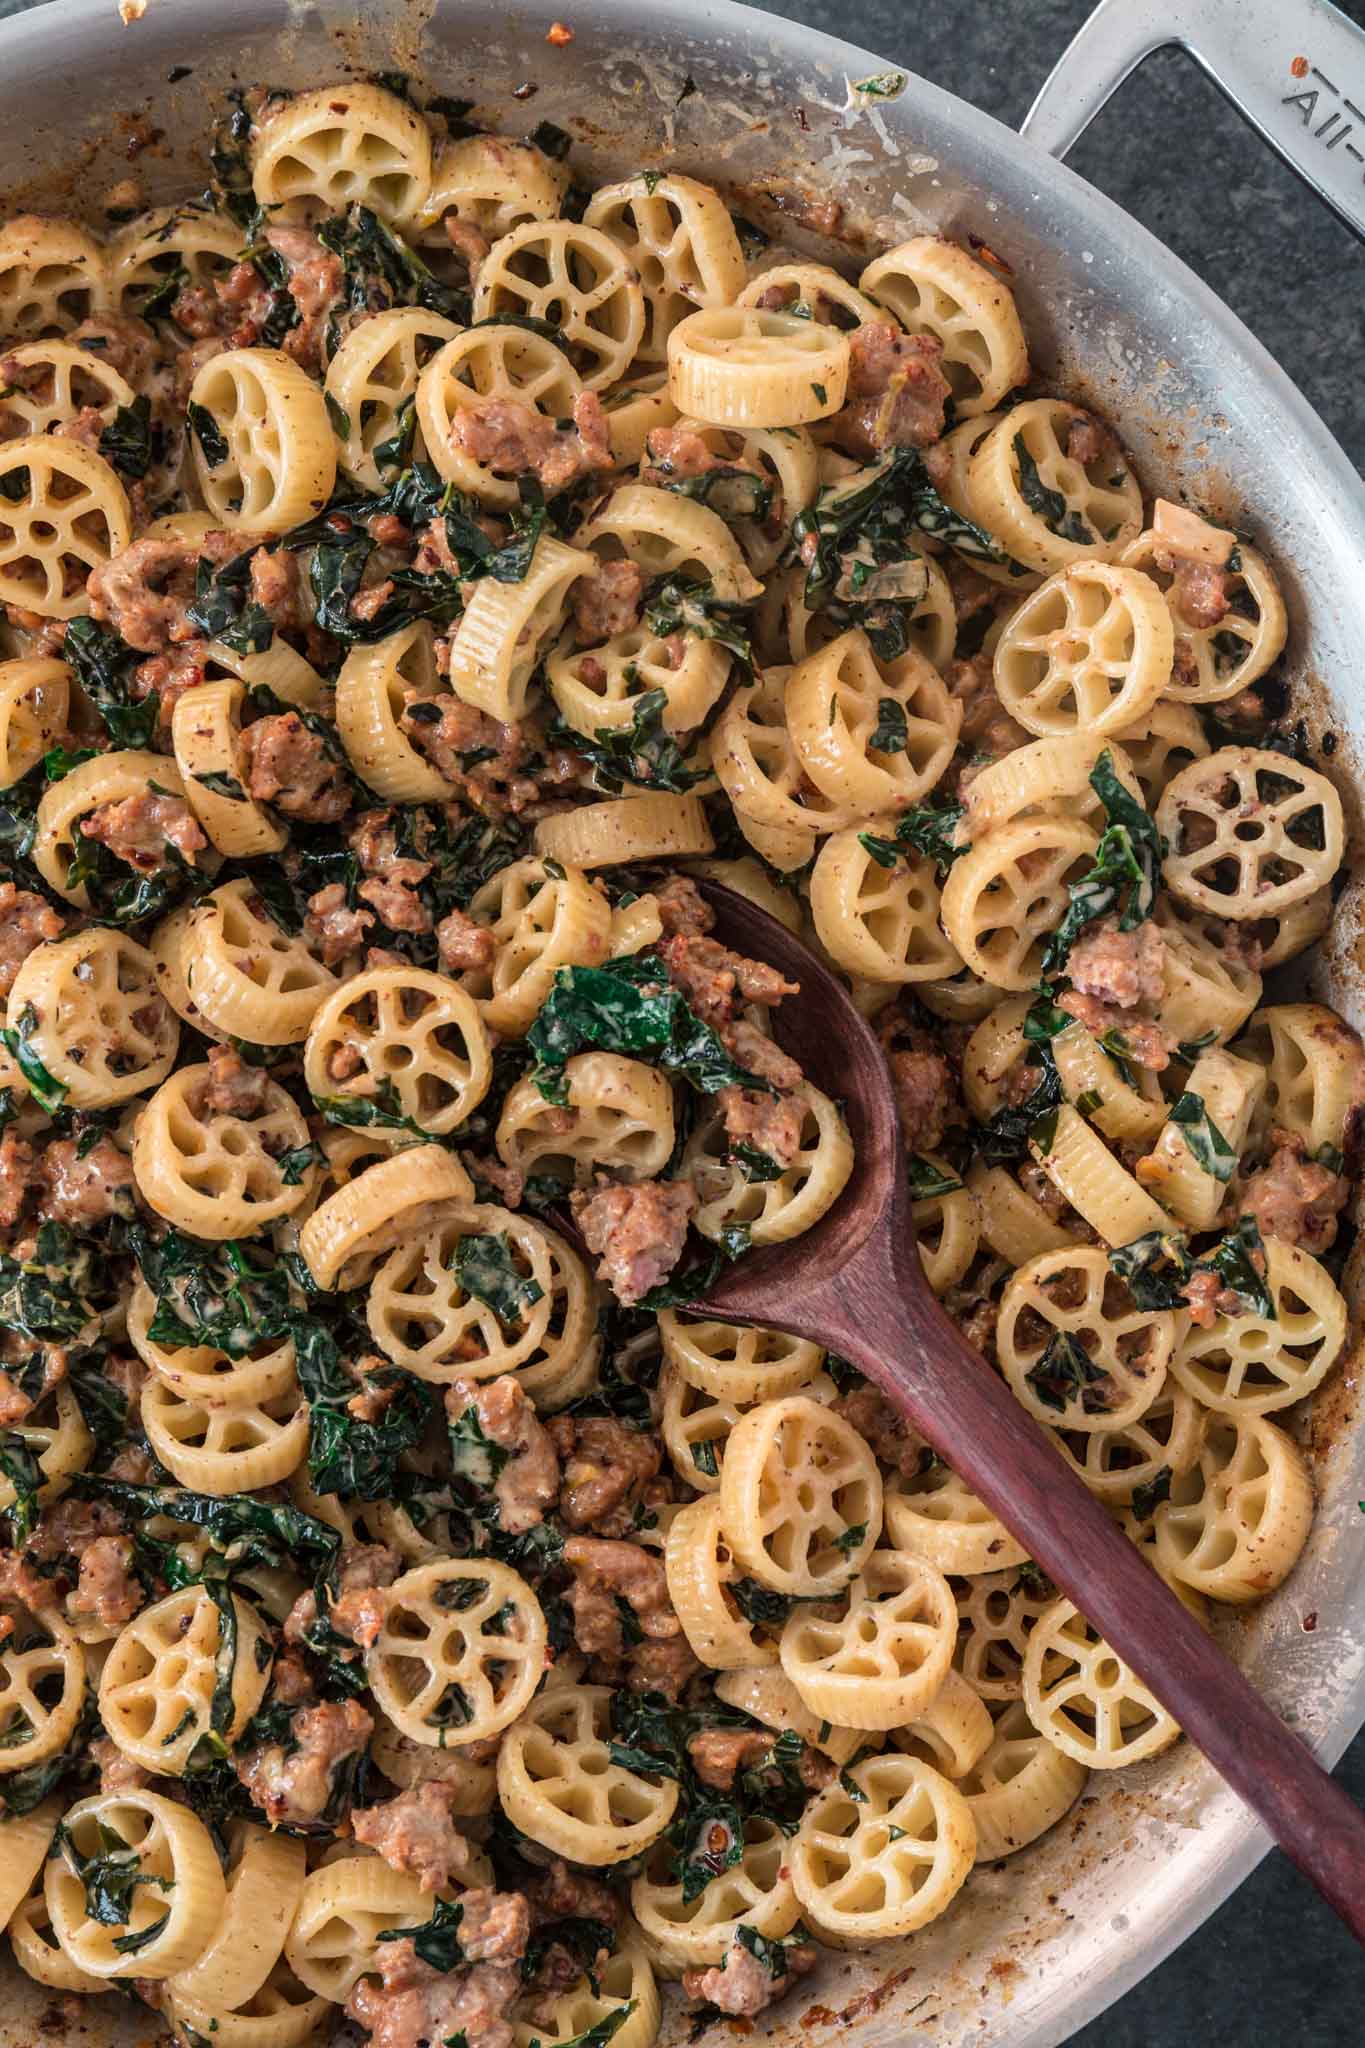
1273, 1968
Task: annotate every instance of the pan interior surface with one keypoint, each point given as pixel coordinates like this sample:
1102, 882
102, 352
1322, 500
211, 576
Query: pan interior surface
1039, 1944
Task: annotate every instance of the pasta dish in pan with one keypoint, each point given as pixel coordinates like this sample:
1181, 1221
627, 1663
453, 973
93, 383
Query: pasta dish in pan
419, 572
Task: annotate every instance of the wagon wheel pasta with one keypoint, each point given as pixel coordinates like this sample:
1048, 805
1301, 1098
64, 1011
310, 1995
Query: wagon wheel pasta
176, 1902
94, 1018
329, 148
935, 288
399, 1033
884, 1865
65, 514
373, 377
1090, 650
498, 362
448, 1668
427, 568
1250, 833
158, 1690
557, 1781
263, 445
581, 280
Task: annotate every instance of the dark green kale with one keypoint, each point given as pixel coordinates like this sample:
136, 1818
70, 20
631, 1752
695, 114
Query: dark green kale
1005, 1135
225, 1294
48, 1296
103, 666
249, 1532
927, 1181
208, 434
1050, 506
127, 440
729, 489
381, 1111
381, 270
1126, 870
110, 1878
1206, 1142
1239, 1261
224, 609
485, 1268
1156, 1267
681, 606
644, 753
629, 1006
928, 830
1065, 1370
21, 1791
356, 1459
19, 1466
437, 1941
1149, 1495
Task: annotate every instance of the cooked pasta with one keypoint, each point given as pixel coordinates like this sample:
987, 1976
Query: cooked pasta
407, 1607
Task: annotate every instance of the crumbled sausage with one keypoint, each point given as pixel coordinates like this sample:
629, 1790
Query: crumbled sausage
1087, 439
81, 1190
718, 1753
144, 592
896, 391
107, 1589
138, 829
606, 1469
395, 897
16, 1174
233, 1088
766, 1123
332, 926
1199, 594
714, 980
295, 1786
528, 1483
415, 1832
744, 1986
638, 1232
928, 1100
414, 2006
563, 1893
683, 911
463, 945
514, 440
883, 1427
481, 757
607, 602
1146, 1043
603, 1570
468, 241
1123, 968
26, 920
1208, 1298
118, 1772
289, 766
1296, 1199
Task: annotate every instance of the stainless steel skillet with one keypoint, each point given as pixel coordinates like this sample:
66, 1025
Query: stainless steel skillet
1043, 1943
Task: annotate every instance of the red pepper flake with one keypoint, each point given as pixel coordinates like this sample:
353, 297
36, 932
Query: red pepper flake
1309, 1622
1299, 67
985, 254
559, 33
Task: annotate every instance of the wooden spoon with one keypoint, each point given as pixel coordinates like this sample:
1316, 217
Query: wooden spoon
854, 1284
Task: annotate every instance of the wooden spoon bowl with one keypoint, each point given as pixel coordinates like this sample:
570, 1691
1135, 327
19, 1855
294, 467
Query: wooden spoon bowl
854, 1284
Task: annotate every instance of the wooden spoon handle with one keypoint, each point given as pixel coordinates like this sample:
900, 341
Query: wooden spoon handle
901, 1338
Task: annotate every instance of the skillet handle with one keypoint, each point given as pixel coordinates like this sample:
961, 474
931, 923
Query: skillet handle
1294, 68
